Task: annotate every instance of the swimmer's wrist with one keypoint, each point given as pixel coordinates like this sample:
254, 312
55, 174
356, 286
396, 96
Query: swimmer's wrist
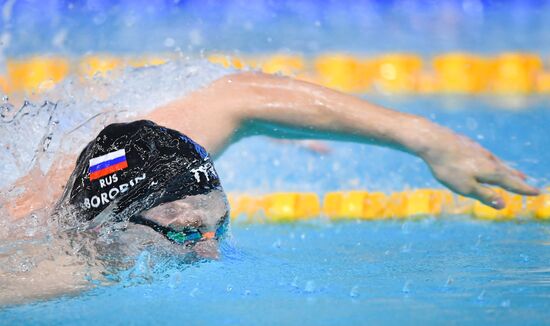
428, 140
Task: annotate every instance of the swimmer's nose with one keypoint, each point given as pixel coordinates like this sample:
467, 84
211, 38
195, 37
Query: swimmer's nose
209, 235
207, 249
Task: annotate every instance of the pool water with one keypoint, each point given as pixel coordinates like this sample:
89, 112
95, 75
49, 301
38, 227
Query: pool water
448, 270
444, 270
322, 273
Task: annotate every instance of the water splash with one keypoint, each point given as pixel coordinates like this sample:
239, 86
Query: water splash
143, 268
68, 116
35, 135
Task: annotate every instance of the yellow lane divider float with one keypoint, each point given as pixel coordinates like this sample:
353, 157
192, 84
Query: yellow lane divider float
35, 74
461, 73
393, 73
397, 73
363, 205
40, 73
343, 72
515, 73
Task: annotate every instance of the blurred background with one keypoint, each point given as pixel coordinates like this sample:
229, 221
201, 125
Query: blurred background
401, 46
480, 67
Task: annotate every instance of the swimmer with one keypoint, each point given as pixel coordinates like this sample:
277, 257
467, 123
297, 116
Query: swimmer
246, 104
155, 189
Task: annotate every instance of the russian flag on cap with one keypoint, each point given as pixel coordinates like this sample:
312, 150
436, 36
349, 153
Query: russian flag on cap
107, 164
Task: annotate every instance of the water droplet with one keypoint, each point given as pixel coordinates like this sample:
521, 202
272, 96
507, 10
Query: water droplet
478, 242
354, 292
26, 264
310, 286
405, 228
175, 280
471, 124
407, 287
5, 110
46, 142
481, 295
277, 244
524, 257
169, 42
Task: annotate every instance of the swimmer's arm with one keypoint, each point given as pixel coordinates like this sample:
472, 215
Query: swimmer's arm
283, 107
37, 191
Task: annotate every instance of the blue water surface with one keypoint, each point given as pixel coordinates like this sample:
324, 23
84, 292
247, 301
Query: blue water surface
414, 272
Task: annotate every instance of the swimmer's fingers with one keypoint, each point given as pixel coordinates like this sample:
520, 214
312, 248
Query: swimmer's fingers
514, 172
520, 174
486, 195
511, 180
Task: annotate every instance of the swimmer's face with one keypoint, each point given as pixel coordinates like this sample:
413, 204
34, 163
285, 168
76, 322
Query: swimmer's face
199, 211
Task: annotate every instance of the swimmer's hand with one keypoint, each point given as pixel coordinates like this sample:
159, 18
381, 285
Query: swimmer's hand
466, 168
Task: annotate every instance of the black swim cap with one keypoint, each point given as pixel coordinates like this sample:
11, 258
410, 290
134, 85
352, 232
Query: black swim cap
132, 167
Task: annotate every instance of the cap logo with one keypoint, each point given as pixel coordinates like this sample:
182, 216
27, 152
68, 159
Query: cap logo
106, 164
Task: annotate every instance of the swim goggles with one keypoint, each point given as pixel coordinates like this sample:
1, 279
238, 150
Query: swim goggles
187, 236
